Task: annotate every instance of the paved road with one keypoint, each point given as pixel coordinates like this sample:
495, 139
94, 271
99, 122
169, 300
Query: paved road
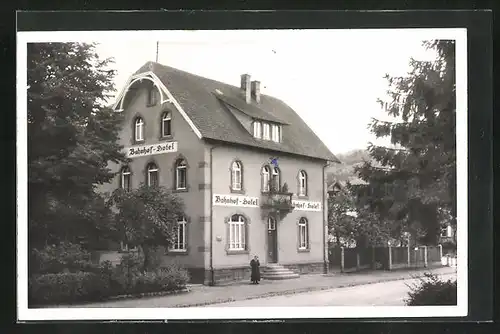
389, 293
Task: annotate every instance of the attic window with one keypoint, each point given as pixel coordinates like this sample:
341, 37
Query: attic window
257, 129
266, 131
276, 133
152, 96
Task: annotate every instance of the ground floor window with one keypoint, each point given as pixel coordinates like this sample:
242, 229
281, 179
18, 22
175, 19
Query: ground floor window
180, 239
237, 235
303, 234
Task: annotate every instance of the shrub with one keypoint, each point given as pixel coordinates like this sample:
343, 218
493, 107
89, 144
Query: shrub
58, 258
449, 247
430, 290
65, 288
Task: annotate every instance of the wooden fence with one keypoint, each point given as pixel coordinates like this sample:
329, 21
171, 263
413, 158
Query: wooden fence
383, 258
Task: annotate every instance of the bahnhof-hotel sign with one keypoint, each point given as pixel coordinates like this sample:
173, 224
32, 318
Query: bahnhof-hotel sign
254, 202
141, 151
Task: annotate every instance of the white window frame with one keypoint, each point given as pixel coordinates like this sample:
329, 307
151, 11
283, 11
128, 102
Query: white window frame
275, 133
303, 234
271, 224
257, 129
167, 117
180, 245
237, 233
139, 129
266, 177
152, 168
236, 179
180, 165
126, 173
266, 131
275, 178
152, 96
302, 183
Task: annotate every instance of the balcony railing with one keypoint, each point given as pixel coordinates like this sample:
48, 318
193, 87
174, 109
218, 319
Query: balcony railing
277, 201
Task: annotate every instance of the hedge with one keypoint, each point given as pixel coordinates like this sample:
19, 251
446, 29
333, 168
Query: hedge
430, 290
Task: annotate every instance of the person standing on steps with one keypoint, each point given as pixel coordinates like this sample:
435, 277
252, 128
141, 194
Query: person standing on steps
255, 265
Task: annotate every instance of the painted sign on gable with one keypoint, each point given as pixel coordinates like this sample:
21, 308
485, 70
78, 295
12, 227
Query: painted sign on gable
233, 200
145, 150
306, 205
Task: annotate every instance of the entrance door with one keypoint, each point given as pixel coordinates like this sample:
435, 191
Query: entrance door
272, 241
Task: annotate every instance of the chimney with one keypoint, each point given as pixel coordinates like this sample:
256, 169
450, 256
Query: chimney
256, 91
245, 86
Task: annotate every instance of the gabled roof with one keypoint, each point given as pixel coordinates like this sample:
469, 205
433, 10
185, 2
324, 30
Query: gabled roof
200, 100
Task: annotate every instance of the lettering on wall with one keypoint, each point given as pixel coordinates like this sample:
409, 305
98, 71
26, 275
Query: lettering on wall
145, 150
306, 205
232, 200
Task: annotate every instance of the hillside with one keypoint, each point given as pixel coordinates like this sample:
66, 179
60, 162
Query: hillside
345, 170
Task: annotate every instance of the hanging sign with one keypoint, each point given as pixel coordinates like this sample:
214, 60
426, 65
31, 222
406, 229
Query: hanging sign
233, 200
145, 150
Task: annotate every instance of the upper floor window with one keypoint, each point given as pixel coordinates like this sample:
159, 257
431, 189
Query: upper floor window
276, 179
139, 129
180, 236
152, 96
302, 183
257, 129
303, 234
265, 178
181, 174
266, 134
152, 175
125, 178
236, 175
166, 124
276, 135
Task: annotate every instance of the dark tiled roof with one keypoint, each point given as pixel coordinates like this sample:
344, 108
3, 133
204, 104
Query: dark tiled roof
197, 96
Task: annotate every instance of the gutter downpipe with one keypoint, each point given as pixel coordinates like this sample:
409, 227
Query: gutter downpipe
212, 272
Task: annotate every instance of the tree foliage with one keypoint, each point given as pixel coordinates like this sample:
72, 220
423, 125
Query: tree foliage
147, 217
416, 178
72, 137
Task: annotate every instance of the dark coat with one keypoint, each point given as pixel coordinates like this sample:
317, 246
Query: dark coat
255, 265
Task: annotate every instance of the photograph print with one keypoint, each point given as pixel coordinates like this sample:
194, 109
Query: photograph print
242, 174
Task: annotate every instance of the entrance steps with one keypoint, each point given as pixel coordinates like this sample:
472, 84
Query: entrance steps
274, 271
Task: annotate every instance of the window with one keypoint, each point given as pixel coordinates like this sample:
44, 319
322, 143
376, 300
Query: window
271, 224
139, 129
266, 130
303, 234
276, 133
237, 233
180, 239
236, 176
257, 129
125, 178
152, 96
152, 177
181, 174
302, 183
276, 179
265, 178
166, 121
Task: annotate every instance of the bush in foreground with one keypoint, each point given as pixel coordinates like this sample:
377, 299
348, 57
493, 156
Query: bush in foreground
430, 290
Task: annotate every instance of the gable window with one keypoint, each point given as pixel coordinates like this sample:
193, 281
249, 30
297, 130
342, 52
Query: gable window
265, 178
125, 179
236, 176
276, 179
152, 176
180, 236
181, 174
303, 234
266, 131
302, 183
257, 129
237, 235
276, 133
139, 129
166, 124
152, 96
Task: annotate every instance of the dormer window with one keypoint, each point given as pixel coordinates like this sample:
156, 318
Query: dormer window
266, 135
276, 133
257, 129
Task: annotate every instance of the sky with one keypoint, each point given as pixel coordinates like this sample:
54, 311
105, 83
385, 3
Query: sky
331, 78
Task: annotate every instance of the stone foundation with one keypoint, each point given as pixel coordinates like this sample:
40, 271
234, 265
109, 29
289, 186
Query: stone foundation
306, 268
